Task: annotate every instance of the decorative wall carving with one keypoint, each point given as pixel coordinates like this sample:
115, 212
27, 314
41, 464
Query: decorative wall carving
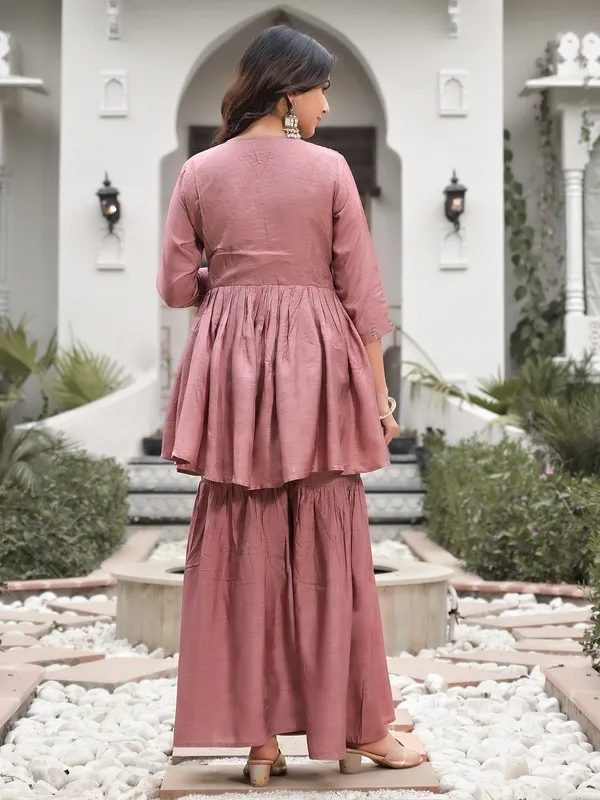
6, 54
114, 95
590, 54
453, 255
113, 10
453, 18
111, 250
577, 58
453, 92
594, 336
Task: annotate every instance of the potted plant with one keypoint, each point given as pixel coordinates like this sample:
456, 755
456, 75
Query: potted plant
432, 438
152, 445
404, 444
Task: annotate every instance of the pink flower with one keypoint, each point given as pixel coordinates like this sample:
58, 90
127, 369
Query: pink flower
550, 470
524, 497
543, 476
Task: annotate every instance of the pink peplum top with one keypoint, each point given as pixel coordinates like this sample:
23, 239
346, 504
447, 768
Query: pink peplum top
274, 381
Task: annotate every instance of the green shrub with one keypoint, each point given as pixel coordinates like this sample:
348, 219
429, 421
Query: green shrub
507, 518
591, 639
73, 520
25, 455
570, 431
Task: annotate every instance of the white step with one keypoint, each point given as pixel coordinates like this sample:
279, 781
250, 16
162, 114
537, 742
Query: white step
165, 507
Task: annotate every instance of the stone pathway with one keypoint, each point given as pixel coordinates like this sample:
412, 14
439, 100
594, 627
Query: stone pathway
104, 608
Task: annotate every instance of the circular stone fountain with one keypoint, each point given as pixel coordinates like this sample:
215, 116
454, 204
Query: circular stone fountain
412, 598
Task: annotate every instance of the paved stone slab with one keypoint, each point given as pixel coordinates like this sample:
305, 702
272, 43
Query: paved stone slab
574, 680
10, 615
78, 620
470, 608
49, 655
463, 582
113, 672
17, 639
403, 721
314, 776
420, 668
29, 628
578, 691
61, 620
17, 685
108, 608
134, 549
549, 632
533, 620
527, 659
564, 647
429, 551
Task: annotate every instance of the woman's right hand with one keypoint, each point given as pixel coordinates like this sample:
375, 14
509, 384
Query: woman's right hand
390, 427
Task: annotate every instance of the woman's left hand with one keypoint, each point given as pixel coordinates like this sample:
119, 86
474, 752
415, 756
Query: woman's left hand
391, 429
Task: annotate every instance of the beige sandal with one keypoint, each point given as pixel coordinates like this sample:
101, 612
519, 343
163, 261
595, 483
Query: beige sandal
398, 757
259, 770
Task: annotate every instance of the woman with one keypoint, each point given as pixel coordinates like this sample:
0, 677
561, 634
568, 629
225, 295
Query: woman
280, 402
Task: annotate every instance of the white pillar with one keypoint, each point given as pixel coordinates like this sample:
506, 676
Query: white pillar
574, 241
575, 289
4, 245
4, 200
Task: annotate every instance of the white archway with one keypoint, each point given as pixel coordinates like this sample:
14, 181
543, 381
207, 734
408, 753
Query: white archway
356, 100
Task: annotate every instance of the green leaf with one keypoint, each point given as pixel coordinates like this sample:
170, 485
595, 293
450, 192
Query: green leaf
520, 292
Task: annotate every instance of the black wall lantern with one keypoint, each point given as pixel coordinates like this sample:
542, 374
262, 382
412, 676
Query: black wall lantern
455, 201
109, 203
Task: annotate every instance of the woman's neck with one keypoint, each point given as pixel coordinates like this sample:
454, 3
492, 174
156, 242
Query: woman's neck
270, 125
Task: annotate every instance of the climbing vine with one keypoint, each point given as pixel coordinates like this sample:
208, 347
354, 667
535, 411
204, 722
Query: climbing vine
536, 253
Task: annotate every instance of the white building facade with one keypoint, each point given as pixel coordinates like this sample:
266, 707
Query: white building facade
129, 81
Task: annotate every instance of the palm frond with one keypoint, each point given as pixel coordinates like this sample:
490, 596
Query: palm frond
18, 354
422, 376
82, 377
25, 454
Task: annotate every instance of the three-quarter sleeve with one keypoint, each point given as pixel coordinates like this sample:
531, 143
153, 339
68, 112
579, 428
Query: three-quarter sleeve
180, 281
354, 264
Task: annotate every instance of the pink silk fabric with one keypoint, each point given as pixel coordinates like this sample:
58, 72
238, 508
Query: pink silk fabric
274, 381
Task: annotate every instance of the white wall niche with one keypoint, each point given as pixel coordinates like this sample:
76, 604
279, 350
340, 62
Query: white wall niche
453, 249
453, 92
114, 93
111, 250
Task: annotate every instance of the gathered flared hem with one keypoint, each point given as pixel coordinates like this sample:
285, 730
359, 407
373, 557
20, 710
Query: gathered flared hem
281, 631
274, 384
356, 470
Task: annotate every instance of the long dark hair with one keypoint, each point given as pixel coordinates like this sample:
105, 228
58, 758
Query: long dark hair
279, 61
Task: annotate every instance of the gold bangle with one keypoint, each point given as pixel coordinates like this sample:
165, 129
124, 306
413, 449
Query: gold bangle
392, 407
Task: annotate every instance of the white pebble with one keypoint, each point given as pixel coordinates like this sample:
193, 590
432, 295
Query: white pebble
44, 789
546, 704
16, 790
435, 683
